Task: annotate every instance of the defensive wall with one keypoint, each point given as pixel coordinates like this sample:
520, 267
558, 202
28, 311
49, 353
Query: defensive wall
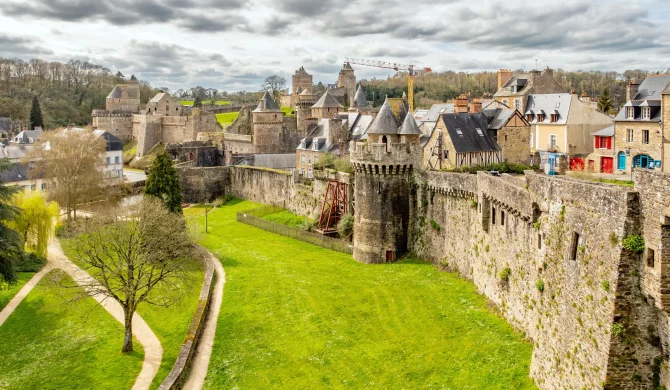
547, 250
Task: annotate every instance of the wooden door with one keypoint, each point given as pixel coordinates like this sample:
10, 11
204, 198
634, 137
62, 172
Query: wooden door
607, 165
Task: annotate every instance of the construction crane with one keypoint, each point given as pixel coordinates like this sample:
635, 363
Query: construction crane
410, 69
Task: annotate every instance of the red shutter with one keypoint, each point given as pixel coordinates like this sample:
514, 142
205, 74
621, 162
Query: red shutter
609, 142
597, 142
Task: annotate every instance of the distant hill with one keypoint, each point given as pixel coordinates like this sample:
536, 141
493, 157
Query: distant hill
67, 92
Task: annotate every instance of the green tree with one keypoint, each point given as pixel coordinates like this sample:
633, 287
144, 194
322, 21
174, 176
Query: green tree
197, 102
10, 241
132, 77
605, 102
163, 182
36, 114
35, 222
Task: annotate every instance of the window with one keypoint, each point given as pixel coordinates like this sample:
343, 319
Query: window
446, 155
646, 112
574, 248
517, 104
531, 140
540, 117
539, 241
107, 160
505, 102
554, 118
645, 136
553, 141
459, 132
629, 136
630, 112
309, 159
493, 215
116, 159
176, 108
502, 218
302, 158
479, 131
302, 172
44, 186
558, 104
603, 142
650, 257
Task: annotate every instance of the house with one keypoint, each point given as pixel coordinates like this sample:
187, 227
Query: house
514, 89
511, 131
27, 137
113, 167
640, 140
17, 175
461, 140
163, 104
427, 120
603, 157
561, 127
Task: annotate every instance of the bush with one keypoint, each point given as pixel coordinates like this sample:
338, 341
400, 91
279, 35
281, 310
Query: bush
346, 226
503, 167
505, 273
618, 330
222, 200
30, 263
331, 161
59, 230
540, 285
634, 244
435, 225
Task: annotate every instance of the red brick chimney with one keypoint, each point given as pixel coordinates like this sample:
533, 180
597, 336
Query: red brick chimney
475, 106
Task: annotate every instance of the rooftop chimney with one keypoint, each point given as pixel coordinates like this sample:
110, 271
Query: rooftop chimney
503, 77
475, 106
631, 89
461, 104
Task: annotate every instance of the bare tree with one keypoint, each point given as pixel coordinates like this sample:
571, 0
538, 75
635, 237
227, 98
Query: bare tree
72, 162
132, 255
274, 84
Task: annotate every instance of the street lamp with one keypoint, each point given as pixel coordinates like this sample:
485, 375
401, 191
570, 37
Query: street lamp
206, 220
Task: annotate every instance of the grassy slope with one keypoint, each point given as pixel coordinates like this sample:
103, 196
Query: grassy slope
288, 111
48, 343
129, 151
227, 119
287, 218
8, 292
169, 323
298, 316
218, 102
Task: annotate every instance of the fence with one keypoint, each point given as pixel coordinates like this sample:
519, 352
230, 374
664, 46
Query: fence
253, 218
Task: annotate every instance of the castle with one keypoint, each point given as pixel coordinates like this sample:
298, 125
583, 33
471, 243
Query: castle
162, 120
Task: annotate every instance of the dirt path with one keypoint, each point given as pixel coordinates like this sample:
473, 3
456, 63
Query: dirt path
153, 351
203, 353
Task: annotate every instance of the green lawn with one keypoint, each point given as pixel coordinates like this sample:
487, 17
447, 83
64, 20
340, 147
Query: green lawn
218, 102
288, 111
8, 292
287, 218
49, 343
170, 324
296, 316
227, 119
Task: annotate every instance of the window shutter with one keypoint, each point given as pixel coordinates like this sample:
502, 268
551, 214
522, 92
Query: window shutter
597, 146
609, 142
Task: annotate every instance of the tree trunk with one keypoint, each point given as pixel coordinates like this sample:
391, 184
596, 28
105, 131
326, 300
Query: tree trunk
128, 337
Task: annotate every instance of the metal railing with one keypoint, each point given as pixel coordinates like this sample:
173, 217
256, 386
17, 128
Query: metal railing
254, 218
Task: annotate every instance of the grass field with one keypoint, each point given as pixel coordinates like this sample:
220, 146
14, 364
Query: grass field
218, 102
169, 323
8, 292
48, 343
288, 111
287, 218
227, 119
298, 316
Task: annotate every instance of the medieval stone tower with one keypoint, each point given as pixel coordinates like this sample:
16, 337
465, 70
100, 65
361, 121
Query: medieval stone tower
268, 122
124, 97
326, 107
384, 167
303, 109
347, 79
300, 81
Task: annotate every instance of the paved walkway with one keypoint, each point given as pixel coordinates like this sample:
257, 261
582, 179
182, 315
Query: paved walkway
203, 353
153, 351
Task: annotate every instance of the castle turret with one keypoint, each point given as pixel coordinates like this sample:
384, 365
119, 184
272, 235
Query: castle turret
326, 106
300, 81
268, 122
384, 167
303, 110
347, 79
360, 103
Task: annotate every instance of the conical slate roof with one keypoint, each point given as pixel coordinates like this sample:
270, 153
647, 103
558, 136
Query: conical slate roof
306, 92
299, 90
115, 94
385, 122
409, 126
359, 99
402, 111
267, 104
347, 66
327, 101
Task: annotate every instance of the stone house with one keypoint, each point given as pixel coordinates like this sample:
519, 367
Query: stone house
511, 131
461, 140
26, 137
163, 104
124, 97
561, 127
639, 131
514, 89
603, 157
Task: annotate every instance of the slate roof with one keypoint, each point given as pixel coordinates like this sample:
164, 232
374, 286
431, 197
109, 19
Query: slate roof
436, 110
359, 99
652, 87
347, 66
114, 144
547, 104
498, 117
5, 125
267, 104
327, 101
299, 90
275, 161
132, 89
301, 71
24, 136
306, 92
606, 132
115, 94
409, 126
468, 132
317, 140
15, 172
385, 122
14, 152
156, 98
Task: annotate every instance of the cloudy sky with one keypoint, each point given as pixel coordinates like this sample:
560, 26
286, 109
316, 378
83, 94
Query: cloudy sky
234, 44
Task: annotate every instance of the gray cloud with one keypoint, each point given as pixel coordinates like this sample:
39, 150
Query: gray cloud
22, 47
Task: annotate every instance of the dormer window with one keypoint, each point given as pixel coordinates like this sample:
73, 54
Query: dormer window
529, 117
554, 118
630, 112
646, 112
479, 131
540, 117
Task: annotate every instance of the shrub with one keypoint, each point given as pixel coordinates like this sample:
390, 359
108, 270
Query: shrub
605, 285
222, 200
331, 161
505, 273
503, 167
634, 244
435, 225
537, 224
618, 330
30, 263
59, 230
346, 226
540, 285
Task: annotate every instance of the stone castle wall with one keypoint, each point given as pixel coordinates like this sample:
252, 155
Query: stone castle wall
119, 123
569, 281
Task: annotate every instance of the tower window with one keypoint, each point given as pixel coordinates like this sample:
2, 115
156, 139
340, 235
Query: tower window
575, 246
493, 215
651, 257
502, 218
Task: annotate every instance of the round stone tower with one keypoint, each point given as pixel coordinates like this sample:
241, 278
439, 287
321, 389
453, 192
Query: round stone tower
303, 109
267, 120
347, 79
384, 166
